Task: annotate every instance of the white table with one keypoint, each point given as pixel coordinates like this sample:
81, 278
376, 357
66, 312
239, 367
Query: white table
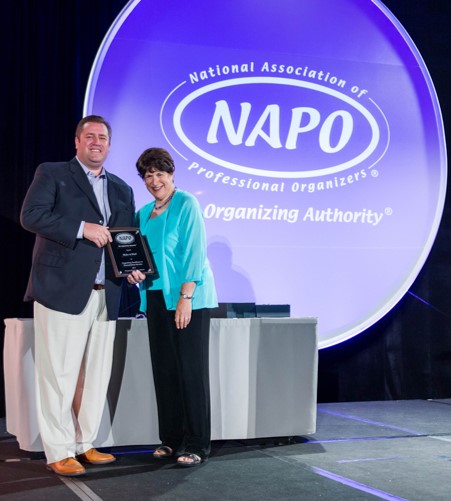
263, 381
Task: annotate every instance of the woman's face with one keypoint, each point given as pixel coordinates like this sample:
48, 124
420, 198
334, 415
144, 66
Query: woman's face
160, 184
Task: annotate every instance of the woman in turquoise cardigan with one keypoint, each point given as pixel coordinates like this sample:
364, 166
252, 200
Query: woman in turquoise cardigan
177, 302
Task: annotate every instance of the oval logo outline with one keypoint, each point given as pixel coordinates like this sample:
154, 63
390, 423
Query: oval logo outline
375, 138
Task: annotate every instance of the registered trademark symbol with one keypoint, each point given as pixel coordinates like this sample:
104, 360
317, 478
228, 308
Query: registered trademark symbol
388, 211
375, 173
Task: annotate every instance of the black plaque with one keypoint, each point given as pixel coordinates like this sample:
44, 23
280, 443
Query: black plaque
128, 252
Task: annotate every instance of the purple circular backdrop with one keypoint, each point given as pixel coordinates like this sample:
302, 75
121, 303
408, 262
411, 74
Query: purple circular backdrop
310, 133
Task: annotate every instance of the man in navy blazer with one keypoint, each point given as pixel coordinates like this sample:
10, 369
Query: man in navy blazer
70, 206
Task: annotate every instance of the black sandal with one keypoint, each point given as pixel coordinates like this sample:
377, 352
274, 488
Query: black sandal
195, 459
163, 452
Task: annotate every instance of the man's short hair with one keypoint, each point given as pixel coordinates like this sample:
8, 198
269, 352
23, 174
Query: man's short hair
93, 119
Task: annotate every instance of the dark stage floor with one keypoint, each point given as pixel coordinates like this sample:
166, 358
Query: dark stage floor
389, 450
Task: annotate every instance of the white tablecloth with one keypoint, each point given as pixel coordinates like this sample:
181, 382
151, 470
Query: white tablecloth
263, 381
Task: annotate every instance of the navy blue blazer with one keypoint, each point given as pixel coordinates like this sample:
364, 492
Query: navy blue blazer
64, 268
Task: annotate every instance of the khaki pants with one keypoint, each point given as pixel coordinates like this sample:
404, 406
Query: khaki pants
73, 359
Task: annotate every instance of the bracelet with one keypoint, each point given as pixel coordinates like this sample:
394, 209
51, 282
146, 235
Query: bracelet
185, 296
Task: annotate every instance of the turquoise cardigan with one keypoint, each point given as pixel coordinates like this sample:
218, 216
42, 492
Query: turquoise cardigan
183, 245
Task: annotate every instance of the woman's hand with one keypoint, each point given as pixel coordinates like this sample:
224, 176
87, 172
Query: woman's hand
183, 313
135, 277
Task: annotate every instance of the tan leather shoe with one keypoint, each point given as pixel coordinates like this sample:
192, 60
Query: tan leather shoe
93, 456
68, 467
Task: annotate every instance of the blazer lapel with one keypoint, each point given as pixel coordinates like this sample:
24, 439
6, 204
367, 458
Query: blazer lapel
113, 197
81, 179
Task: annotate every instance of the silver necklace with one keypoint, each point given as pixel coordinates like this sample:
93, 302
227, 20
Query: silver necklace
158, 207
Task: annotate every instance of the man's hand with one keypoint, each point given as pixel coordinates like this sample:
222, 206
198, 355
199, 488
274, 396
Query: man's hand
97, 233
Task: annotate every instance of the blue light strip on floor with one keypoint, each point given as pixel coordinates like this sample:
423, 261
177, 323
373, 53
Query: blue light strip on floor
363, 460
429, 304
132, 451
369, 421
359, 439
357, 485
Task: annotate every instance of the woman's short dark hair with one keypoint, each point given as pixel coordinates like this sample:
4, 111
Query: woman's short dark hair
154, 159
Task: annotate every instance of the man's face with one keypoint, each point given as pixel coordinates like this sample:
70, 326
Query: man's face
93, 145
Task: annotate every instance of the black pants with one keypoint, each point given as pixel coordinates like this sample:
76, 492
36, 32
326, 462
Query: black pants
181, 375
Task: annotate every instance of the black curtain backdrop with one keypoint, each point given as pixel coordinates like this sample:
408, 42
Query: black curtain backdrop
47, 50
